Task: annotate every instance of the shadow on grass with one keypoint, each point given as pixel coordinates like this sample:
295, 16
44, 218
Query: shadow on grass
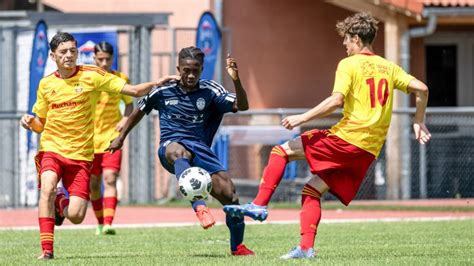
209, 255
131, 255
101, 256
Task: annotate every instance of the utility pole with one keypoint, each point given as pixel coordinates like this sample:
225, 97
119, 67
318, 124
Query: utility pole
39, 5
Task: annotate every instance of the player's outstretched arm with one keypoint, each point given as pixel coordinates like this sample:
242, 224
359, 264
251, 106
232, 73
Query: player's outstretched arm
133, 119
326, 107
421, 91
33, 123
241, 103
126, 113
143, 89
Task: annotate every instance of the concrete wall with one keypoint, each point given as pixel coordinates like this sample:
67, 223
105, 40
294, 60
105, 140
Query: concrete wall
185, 12
287, 50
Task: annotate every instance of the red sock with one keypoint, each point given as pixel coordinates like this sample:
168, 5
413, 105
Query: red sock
110, 204
310, 216
46, 225
272, 175
98, 208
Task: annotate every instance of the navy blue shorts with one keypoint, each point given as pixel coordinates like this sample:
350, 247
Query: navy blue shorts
202, 156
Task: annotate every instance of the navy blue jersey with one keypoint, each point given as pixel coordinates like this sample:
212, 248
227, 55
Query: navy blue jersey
194, 115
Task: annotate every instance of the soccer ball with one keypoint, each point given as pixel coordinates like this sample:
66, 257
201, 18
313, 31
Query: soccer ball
195, 183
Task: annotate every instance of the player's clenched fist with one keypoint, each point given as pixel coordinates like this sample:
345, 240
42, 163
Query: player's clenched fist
115, 144
33, 123
26, 121
292, 121
231, 66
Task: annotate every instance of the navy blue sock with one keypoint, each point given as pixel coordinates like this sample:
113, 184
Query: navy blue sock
196, 203
180, 165
236, 227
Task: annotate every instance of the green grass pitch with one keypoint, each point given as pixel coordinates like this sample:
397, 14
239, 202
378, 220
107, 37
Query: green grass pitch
393, 243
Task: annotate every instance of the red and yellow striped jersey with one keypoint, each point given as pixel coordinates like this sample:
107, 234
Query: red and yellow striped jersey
107, 116
68, 105
367, 81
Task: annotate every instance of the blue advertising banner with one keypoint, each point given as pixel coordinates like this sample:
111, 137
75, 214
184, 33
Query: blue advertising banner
208, 39
39, 57
86, 42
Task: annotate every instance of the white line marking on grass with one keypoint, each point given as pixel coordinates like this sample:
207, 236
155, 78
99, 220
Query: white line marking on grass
186, 224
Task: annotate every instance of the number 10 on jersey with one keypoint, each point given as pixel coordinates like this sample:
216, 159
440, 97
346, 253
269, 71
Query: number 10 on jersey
382, 91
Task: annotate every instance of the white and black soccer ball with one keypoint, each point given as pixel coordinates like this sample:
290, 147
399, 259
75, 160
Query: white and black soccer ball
195, 183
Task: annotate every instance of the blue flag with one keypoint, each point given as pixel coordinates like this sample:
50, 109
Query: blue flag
208, 39
39, 57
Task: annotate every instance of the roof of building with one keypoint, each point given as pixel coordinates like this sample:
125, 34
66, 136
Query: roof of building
458, 3
416, 6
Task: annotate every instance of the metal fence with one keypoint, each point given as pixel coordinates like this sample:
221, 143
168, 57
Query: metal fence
444, 168
441, 169
10, 185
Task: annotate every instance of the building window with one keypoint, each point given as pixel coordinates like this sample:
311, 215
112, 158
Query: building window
441, 72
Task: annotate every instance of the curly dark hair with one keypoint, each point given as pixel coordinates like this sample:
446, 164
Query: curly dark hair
363, 25
193, 53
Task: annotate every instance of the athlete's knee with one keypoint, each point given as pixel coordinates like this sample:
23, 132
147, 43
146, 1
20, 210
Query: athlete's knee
110, 183
76, 210
228, 196
110, 178
75, 214
224, 189
319, 184
229, 193
293, 149
179, 153
284, 147
75, 218
48, 188
176, 151
48, 184
95, 182
48, 192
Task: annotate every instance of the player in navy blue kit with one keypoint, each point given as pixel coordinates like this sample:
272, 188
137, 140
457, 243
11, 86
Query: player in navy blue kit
191, 110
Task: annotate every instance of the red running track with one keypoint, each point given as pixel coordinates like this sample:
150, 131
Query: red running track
163, 215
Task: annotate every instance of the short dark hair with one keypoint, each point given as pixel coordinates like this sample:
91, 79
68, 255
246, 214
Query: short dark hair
104, 47
59, 38
363, 25
193, 53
